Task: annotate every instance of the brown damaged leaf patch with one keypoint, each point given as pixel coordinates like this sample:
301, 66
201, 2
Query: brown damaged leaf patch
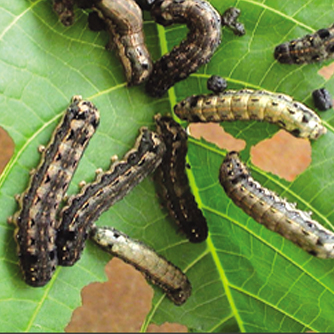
283, 155
118, 305
214, 133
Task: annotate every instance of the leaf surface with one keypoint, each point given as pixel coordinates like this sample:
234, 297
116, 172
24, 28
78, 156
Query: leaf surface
244, 277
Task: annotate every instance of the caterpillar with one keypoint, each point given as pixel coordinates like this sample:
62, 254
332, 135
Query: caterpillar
204, 36
322, 99
308, 49
172, 181
154, 267
108, 188
124, 23
247, 104
36, 223
273, 212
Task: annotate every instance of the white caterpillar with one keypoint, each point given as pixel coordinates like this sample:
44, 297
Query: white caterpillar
154, 267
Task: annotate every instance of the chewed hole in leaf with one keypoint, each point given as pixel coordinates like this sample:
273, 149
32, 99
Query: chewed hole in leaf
116, 300
214, 133
6, 148
124, 285
283, 155
327, 71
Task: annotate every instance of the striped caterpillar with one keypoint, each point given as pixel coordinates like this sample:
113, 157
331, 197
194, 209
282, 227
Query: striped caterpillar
173, 183
108, 188
273, 212
204, 36
247, 104
308, 49
35, 221
154, 267
124, 23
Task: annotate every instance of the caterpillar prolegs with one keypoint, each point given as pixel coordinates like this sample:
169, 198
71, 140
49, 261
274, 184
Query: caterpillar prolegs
109, 187
273, 212
173, 184
35, 221
204, 37
247, 104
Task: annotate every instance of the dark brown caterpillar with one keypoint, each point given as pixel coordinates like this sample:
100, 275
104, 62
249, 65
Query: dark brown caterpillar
124, 23
204, 37
65, 10
173, 182
35, 221
247, 104
272, 211
154, 267
109, 187
308, 49
322, 99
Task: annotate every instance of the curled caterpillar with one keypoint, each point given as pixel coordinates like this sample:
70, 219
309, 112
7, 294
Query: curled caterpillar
154, 267
247, 104
35, 221
322, 99
173, 185
204, 36
308, 49
124, 23
109, 187
273, 212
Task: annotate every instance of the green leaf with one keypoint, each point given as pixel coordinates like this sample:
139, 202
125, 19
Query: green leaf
244, 277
